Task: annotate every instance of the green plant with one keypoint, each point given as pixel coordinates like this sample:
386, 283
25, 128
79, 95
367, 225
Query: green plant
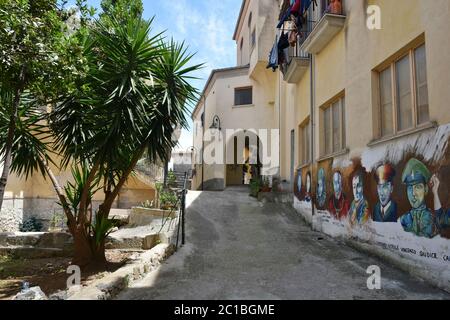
168, 199
58, 220
149, 204
134, 92
102, 228
31, 225
255, 187
171, 179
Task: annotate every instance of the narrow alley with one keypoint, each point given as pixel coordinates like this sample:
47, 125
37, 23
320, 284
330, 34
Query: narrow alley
241, 249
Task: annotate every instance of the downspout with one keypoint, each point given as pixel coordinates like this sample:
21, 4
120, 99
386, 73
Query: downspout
203, 141
312, 122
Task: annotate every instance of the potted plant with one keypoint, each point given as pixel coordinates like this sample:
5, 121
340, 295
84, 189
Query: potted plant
266, 185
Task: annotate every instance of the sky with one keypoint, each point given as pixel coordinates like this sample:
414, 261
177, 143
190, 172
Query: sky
206, 26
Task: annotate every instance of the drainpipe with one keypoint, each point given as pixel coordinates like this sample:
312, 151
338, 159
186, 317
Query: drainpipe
203, 141
311, 119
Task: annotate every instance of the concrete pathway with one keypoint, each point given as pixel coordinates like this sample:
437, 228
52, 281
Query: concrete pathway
239, 248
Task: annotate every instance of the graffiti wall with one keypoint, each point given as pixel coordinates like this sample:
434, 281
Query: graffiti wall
395, 196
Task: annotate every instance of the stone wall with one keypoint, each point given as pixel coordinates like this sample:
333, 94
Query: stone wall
10, 220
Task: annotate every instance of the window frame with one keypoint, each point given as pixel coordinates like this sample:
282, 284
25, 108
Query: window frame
340, 99
252, 39
304, 133
392, 64
242, 89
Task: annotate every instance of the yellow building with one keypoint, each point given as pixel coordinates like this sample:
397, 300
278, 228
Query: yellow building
361, 102
35, 196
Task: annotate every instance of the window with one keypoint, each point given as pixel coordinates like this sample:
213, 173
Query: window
253, 39
249, 22
333, 127
305, 143
404, 93
243, 96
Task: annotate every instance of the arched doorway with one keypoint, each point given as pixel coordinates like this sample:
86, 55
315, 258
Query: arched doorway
243, 162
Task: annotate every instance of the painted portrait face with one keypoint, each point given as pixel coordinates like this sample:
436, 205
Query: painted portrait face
299, 182
417, 194
385, 192
337, 185
357, 188
321, 183
308, 183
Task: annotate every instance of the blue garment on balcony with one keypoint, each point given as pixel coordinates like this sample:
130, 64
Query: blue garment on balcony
285, 17
273, 56
306, 4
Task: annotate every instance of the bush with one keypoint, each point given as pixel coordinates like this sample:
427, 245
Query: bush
255, 188
149, 204
171, 179
168, 199
31, 225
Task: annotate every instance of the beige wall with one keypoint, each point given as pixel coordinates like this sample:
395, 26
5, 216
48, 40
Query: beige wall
347, 62
219, 98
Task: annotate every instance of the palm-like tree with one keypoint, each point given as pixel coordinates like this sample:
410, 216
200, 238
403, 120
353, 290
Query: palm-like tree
134, 95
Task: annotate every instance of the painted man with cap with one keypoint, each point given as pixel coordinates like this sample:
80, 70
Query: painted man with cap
386, 209
420, 220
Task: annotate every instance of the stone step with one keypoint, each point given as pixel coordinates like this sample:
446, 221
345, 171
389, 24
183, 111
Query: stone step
30, 252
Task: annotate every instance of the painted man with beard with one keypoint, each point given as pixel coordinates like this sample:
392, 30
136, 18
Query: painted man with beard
338, 205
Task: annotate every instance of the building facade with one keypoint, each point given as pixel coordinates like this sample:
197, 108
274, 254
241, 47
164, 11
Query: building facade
361, 100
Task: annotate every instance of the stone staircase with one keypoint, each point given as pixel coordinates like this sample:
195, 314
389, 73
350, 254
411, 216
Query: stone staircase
34, 245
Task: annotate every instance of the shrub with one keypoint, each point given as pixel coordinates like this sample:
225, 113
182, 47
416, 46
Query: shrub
255, 188
31, 225
171, 179
149, 204
168, 199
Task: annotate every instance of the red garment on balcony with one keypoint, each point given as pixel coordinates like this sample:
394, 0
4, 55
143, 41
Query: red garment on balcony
295, 10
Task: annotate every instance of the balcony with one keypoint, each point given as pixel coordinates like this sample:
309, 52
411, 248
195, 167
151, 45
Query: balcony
325, 25
297, 62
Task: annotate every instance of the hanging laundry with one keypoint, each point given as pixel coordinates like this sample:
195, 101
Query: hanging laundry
283, 43
285, 17
273, 56
293, 38
295, 10
306, 4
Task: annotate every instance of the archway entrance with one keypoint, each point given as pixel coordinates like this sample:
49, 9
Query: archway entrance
243, 162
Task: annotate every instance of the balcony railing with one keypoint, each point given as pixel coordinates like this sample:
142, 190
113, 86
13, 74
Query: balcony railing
322, 17
323, 23
296, 52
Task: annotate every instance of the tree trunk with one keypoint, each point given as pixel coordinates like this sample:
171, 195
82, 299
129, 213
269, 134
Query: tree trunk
83, 254
10, 137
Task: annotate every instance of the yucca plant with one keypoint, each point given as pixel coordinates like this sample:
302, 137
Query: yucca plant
134, 96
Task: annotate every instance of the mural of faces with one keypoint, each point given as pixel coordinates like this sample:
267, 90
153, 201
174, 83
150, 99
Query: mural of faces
321, 188
385, 192
359, 209
308, 183
358, 188
337, 185
417, 194
338, 204
299, 181
308, 187
386, 209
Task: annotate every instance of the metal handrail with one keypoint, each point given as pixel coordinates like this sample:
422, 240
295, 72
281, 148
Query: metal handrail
182, 225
